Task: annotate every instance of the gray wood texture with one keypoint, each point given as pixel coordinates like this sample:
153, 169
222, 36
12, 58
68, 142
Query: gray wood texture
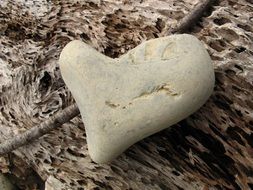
212, 149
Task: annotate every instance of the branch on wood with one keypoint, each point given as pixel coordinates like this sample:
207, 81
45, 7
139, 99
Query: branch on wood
192, 18
34, 133
72, 111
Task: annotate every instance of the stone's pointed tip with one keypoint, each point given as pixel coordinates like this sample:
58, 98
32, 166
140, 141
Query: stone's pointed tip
102, 150
100, 159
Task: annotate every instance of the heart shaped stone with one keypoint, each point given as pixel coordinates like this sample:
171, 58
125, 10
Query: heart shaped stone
124, 100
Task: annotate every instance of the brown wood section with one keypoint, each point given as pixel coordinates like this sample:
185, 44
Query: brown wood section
212, 149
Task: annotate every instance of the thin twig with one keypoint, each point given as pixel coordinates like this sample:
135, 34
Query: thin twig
192, 18
72, 111
34, 133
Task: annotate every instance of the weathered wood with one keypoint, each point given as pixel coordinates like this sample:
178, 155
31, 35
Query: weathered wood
45, 127
211, 149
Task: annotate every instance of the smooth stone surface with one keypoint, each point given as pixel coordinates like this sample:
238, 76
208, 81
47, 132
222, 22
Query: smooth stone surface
124, 100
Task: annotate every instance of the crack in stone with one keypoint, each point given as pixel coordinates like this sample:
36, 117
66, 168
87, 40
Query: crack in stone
111, 104
164, 88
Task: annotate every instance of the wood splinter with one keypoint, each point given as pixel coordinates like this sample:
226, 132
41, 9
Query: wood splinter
72, 111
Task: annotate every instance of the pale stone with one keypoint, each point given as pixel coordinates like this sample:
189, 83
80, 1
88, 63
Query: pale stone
124, 100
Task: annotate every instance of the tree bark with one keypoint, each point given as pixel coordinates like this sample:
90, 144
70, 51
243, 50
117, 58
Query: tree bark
211, 149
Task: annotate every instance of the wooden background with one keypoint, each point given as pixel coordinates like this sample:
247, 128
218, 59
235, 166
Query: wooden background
212, 149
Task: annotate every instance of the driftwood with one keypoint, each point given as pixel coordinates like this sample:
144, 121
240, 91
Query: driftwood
72, 111
45, 127
192, 17
211, 149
